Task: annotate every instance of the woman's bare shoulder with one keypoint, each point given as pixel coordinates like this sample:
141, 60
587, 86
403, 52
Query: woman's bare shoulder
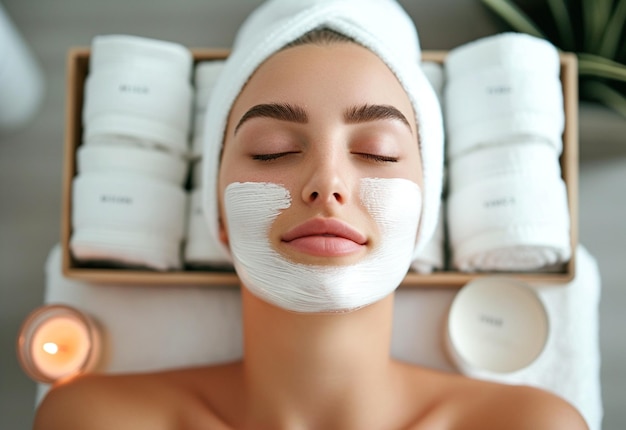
459, 402
488, 405
153, 401
104, 402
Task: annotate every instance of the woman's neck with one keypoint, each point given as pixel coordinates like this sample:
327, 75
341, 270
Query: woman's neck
299, 367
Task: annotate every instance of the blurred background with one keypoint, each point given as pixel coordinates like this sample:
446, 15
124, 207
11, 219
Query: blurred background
31, 157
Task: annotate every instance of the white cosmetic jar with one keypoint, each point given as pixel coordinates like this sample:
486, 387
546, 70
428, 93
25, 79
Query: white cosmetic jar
128, 219
139, 90
496, 326
509, 223
115, 156
497, 105
524, 157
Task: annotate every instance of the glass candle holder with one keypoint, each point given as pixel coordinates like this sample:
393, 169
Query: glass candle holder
56, 342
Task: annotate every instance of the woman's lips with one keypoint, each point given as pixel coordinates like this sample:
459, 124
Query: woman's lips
325, 237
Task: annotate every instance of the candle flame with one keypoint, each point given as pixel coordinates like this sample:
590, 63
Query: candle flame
51, 348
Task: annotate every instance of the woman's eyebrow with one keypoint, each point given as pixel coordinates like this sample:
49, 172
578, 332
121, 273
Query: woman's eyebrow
280, 111
367, 112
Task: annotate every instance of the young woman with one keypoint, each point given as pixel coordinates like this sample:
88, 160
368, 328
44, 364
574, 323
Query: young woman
321, 191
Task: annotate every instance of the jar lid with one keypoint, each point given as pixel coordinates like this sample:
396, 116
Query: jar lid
496, 325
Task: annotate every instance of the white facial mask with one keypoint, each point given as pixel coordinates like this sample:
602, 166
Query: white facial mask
252, 207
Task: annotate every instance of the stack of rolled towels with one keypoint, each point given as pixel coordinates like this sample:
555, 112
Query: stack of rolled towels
129, 202
432, 256
200, 251
507, 206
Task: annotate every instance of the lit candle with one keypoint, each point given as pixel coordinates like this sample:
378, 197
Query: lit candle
56, 342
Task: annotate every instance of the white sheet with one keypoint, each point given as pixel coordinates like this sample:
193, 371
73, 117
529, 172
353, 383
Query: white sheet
163, 327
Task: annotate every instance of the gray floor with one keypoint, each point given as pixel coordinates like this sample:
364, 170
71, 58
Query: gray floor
31, 163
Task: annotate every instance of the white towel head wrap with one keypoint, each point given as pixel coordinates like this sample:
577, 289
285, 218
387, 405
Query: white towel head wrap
379, 25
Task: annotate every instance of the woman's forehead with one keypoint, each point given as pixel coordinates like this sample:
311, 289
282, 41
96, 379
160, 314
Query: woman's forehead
329, 76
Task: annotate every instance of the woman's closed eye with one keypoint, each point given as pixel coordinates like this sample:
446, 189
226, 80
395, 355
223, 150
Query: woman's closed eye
378, 158
272, 156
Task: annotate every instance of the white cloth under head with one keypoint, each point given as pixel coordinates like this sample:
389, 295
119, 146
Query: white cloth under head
150, 329
380, 25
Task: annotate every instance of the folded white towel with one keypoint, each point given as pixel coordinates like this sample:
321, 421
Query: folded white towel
525, 157
380, 25
115, 156
504, 50
199, 250
127, 219
491, 107
205, 76
432, 256
503, 87
436, 76
509, 222
196, 175
167, 327
141, 88
570, 364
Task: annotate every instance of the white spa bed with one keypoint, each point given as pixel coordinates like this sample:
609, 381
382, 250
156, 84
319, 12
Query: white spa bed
164, 327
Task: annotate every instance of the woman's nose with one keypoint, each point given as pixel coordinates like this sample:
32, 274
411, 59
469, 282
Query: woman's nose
327, 182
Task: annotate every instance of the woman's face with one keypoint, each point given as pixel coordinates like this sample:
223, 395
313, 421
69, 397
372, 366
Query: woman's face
318, 120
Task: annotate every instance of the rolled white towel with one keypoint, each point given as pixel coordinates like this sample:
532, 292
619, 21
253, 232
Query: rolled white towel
523, 157
205, 76
196, 174
199, 250
436, 76
141, 88
504, 50
432, 257
501, 87
491, 106
127, 219
115, 156
512, 222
